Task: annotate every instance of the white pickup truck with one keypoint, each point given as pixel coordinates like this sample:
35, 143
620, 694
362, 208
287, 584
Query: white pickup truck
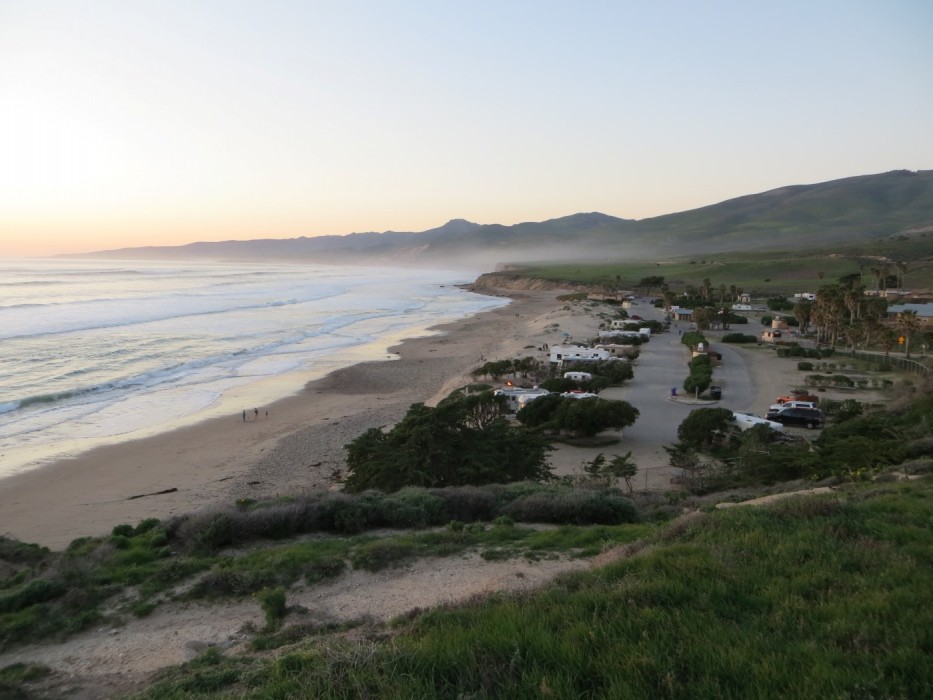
791, 404
747, 420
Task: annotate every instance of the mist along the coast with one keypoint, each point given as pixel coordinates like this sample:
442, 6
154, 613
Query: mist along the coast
94, 352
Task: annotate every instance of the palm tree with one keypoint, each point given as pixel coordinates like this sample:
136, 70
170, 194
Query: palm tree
909, 323
855, 333
887, 340
853, 300
702, 315
803, 311
902, 272
870, 327
829, 313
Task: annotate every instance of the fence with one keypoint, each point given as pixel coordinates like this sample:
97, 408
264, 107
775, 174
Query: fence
898, 362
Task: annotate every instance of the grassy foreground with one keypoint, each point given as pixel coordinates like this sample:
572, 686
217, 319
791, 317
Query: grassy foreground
826, 596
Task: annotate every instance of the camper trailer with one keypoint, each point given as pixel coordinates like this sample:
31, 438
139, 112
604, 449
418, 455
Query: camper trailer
576, 353
516, 397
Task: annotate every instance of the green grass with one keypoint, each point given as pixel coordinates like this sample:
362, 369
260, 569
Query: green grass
757, 273
57, 594
813, 597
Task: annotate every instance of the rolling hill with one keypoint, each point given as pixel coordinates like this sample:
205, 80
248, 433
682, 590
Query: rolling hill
836, 213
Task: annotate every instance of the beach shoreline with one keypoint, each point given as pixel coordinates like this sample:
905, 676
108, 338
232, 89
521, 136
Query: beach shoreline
299, 445
292, 444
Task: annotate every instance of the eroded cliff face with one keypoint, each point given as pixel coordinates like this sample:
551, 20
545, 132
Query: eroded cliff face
505, 280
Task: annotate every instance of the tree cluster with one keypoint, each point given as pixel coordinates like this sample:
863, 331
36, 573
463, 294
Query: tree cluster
465, 440
497, 369
857, 443
579, 417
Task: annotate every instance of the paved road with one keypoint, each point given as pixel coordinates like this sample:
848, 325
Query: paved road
661, 365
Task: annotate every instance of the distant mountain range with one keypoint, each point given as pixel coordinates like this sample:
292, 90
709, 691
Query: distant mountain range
846, 211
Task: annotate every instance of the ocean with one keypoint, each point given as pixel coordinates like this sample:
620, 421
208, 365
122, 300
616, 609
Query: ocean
93, 352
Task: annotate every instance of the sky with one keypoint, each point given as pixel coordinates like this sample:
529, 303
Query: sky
167, 122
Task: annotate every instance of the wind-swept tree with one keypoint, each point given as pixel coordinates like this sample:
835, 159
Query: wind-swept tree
650, 282
464, 440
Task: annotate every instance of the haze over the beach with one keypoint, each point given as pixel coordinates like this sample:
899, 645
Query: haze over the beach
162, 123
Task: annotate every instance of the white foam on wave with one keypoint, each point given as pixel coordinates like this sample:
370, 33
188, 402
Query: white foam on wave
141, 377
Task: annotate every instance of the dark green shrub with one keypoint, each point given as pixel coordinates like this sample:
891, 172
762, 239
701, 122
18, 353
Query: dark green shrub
805, 366
16, 552
842, 410
413, 507
467, 503
236, 582
692, 339
217, 533
559, 384
704, 427
739, 338
122, 531
146, 525
272, 602
577, 507
792, 350
23, 673
380, 554
36, 591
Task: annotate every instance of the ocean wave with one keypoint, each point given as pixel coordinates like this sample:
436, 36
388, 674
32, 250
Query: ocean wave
96, 320
22, 306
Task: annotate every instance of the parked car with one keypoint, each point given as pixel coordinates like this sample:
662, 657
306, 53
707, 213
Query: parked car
792, 404
807, 417
797, 395
747, 420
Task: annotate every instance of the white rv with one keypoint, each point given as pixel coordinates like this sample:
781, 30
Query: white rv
578, 376
620, 334
576, 353
516, 397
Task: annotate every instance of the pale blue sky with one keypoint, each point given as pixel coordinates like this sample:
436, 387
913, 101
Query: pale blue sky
146, 123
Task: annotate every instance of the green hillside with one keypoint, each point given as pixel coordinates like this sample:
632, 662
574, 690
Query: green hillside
839, 212
851, 211
758, 273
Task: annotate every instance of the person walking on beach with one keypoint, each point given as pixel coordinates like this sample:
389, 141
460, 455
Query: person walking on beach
256, 413
244, 415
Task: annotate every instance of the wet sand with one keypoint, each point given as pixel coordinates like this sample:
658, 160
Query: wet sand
299, 445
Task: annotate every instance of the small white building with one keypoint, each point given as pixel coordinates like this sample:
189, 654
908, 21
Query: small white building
680, 314
576, 353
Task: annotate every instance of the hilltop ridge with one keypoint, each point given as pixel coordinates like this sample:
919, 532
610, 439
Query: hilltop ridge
845, 211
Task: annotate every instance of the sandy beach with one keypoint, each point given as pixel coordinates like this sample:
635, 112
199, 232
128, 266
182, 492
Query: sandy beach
296, 443
293, 444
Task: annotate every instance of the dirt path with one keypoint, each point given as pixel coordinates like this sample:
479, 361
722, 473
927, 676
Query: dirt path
116, 660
